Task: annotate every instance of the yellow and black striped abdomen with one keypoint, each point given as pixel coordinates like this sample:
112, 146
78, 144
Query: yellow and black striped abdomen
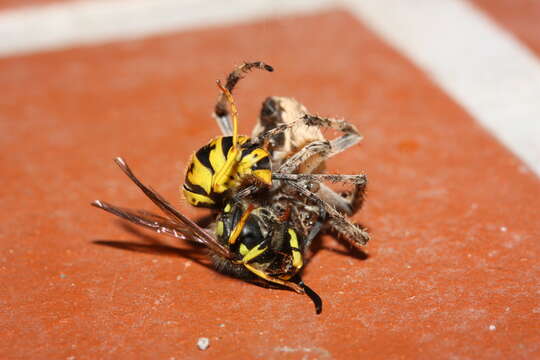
199, 186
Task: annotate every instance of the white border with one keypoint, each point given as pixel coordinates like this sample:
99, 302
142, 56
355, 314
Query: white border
482, 66
65, 24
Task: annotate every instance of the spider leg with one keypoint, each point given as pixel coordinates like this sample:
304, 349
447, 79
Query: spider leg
334, 178
355, 198
221, 112
245, 192
351, 232
347, 202
319, 151
316, 228
311, 157
261, 138
308, 158
350, 136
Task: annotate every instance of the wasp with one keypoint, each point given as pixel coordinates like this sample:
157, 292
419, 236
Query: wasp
250, 241
287, 138
226, 162
261, 236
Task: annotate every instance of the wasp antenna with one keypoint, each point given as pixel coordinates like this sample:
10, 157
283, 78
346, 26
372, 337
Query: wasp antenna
234, 111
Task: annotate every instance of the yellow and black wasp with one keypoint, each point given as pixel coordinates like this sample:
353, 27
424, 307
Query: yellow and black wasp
261, 238
286, 138
250, 242
226, 163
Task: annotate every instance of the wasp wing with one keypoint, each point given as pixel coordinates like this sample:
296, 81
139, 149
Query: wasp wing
175, 217
146, 219
163, 225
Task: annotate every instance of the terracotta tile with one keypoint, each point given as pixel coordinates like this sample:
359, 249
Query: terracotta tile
15, 4
519, 17
453, 213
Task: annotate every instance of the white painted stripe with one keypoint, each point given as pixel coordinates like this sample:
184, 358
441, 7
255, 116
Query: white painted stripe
490, 73
61, 25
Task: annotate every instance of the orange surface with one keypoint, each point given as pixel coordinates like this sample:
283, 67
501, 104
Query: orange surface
15, 4
520, 17
452, 269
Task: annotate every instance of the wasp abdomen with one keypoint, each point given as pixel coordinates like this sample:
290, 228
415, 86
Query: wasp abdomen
200, 186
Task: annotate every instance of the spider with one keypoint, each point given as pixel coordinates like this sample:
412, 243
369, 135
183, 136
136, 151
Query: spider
298, 151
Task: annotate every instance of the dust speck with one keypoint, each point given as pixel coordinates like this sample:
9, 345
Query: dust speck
203, 343
63, 276
504, 229
492, 327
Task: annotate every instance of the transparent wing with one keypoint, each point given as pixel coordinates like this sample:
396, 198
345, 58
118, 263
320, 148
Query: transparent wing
152, 221
176, 224
163, 226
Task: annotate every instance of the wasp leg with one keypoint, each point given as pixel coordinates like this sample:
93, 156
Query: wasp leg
219, 183
233, 156
221, 113
296, 253
240, 226
257, 251
274, 280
